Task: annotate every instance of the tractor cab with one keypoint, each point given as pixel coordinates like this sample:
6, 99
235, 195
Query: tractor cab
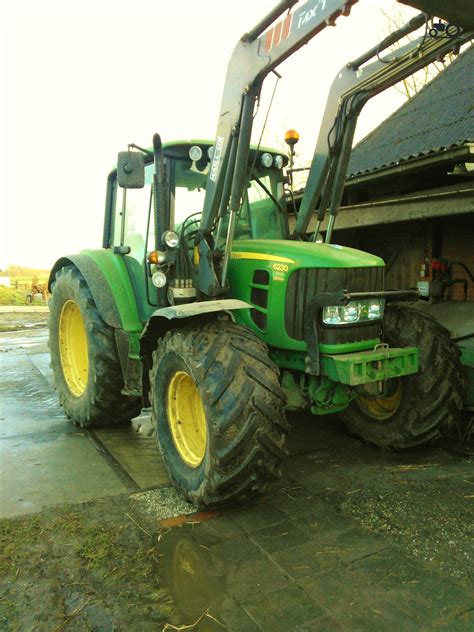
130, 218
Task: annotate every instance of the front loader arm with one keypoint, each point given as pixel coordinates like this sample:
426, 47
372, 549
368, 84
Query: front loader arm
353, 87
258, 52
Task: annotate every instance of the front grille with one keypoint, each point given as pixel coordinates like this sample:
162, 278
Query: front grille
304, 284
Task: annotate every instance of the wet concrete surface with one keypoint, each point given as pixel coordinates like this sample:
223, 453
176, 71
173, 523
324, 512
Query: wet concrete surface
350, 539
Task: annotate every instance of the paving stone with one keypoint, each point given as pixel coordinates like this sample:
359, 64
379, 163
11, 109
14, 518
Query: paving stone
247, 579
235, 619
340, 588
304, 559
48, 469
282, 610
324, 624
200, 577
137, 453
256, 517
216, 530
354, 595
236, 550
407, 600
446, 599
292, 498
461, 623
352, 544
377, 615
279, 536
392, 569
323, 521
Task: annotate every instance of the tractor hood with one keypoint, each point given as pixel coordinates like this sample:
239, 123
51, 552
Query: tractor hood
303, 254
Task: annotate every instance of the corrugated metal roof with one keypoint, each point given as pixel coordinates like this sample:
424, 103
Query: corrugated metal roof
439, 117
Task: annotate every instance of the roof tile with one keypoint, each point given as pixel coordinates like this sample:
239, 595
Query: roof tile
440, 116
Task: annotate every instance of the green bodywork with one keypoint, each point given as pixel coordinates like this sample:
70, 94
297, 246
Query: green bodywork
280, 258
355, 369
118, 279
343, 366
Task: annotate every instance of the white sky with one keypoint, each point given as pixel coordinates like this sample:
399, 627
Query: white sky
80, 80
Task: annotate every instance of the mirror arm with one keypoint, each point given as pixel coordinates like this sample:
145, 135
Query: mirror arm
147, 152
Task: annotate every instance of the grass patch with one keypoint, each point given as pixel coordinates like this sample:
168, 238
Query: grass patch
89, 563
10, 296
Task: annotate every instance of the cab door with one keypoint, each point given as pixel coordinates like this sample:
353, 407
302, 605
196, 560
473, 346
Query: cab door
133, 235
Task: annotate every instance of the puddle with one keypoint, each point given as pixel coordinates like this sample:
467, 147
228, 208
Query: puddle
196, 581
23, 340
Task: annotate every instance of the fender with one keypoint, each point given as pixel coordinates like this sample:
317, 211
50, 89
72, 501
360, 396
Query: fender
174, 317
108, 280
162, 320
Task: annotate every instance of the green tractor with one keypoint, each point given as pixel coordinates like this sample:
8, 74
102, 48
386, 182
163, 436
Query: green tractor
202, 305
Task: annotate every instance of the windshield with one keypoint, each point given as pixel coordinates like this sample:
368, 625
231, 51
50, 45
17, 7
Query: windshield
261, 215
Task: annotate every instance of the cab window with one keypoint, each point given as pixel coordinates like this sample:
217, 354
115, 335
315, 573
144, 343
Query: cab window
133, 225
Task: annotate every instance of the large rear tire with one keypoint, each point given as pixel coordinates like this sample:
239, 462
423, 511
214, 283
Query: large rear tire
219, 413
418, 408
84, 357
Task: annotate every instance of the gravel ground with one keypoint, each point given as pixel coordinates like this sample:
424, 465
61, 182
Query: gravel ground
162, 503
423, 518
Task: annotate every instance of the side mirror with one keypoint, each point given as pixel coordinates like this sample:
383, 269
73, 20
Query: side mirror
131, 170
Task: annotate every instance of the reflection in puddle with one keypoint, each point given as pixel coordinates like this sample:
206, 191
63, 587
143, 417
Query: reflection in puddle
196, 581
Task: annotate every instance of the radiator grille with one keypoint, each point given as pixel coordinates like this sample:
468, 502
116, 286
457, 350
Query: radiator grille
304, 284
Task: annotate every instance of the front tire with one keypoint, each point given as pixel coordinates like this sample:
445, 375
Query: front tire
84, 357
219, 413
415, 409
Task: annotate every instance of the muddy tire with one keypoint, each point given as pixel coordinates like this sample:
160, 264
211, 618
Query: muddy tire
419, 408
84, 357
219, 413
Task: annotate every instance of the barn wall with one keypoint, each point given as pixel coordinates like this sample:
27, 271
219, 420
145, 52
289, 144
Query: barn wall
407, 246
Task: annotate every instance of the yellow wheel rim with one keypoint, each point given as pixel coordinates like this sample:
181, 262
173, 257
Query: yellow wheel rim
73, 348
382, 408
187, 418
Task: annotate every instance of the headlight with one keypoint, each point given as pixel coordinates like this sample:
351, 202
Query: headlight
195, 153
278, 162
350, 312
374, 309
266, 160
159, 279
170, 238
354, 312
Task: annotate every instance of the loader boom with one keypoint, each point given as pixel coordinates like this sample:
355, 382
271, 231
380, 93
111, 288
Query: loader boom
258, 52
354, 85
255, 56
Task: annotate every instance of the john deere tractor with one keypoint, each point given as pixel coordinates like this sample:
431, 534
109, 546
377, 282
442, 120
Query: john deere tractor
202, 304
